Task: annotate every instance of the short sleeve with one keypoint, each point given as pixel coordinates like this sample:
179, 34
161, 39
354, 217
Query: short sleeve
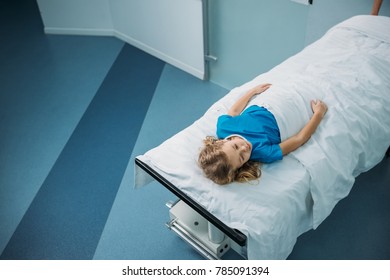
267, 153
222, 130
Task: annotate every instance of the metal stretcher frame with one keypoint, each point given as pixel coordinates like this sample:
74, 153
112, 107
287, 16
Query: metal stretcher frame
233, 234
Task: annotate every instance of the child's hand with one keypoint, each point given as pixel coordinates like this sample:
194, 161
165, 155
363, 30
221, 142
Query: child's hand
318, 107
260, 88
240, 104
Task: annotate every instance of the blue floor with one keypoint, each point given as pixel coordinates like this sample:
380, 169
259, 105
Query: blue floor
82, 184
75, 111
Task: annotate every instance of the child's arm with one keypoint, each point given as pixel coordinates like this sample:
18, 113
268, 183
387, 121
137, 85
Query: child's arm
241, 103
291, 144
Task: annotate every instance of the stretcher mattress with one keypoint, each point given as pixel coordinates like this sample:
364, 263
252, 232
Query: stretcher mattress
349, 69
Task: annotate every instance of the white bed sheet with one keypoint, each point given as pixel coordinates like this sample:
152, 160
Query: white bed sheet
349, 68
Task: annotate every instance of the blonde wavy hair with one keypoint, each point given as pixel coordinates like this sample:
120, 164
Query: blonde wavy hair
216, 166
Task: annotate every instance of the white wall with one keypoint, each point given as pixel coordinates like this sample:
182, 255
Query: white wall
324, 14
249, 37
171, 30
79, 17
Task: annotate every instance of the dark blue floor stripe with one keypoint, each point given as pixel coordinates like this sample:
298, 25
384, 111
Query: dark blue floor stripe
67, 216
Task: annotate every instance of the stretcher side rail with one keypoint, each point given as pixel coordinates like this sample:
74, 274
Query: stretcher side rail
234, 234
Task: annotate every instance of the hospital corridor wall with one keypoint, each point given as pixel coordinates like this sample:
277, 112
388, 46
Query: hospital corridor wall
171, 30
226, 41
72, 119
249, 37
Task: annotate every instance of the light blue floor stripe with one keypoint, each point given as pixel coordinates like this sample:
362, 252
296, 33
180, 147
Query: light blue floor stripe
135, 228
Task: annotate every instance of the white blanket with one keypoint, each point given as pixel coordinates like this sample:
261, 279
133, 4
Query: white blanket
349, 69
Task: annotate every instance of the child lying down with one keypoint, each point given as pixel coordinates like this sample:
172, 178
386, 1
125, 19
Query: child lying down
249, 136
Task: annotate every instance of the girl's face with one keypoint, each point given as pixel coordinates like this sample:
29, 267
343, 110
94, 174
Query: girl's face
238, 150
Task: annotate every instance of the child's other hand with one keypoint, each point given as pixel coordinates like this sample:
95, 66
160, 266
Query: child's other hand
318, 107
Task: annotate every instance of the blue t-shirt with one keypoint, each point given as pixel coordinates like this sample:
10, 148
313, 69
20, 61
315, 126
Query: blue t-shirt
258, 126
